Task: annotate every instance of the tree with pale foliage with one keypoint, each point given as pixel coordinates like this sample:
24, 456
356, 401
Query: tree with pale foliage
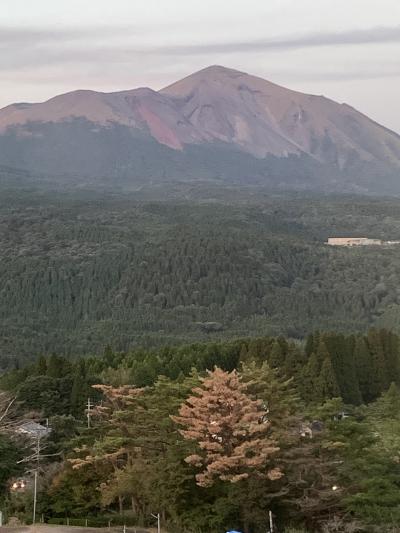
230, 429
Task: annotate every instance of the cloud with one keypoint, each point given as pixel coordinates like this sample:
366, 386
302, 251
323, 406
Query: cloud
18, 37
43, 51
353, 37
340, 75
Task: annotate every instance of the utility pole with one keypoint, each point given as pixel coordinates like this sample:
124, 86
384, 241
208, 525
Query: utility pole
36, 478
89, 412
34, 496
36, 432
158, 518
271, 523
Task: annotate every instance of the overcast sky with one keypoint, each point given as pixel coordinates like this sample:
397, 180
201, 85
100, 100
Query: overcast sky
348, 50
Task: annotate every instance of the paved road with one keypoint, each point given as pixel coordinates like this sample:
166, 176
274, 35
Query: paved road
64, 529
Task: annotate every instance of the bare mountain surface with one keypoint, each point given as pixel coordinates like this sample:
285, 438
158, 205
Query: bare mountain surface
197, 128
141, 109
262, 117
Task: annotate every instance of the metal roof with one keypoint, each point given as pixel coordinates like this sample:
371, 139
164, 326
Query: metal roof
34, 429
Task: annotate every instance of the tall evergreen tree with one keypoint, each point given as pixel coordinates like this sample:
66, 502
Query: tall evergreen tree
295, 361
308, 379
340, 351
79, 390
327, 384
276, 356
364, 368
388, 405
380, 379
309, 347
57, 366
41, 366
392, 352
279, 396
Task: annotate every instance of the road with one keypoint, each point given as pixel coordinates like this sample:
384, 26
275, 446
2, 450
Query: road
65, 529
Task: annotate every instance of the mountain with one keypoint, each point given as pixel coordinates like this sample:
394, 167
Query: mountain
217, 124
263, 118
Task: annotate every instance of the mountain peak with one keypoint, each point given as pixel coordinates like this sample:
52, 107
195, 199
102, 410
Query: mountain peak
213, 70
215, 108
211, 74
220, 79
220, 70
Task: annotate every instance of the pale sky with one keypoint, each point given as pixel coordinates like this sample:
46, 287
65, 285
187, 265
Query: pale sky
348, 50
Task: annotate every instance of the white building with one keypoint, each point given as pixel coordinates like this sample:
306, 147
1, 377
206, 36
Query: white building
353, 241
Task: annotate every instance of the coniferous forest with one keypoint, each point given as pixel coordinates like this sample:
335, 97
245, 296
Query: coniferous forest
80, 270
236, 366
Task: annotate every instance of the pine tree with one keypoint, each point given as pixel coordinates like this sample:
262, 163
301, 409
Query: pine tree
79, 390
295, 361
392, 353
41, 366
283, 343
364, 369
230, 431
108, 356
276, 357
309, 346
308, 380
312, 342
56, 366
340, 349
388, 405
379, 380
278, 394
327, 384
243, 352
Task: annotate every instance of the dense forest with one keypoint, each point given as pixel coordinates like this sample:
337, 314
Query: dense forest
83, 269
162, 311
325, 424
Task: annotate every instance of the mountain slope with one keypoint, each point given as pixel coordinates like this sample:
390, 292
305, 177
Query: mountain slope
264, 118
216, 124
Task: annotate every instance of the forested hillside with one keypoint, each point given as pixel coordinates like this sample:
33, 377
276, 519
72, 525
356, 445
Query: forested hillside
358, 368
80, 270
326, 415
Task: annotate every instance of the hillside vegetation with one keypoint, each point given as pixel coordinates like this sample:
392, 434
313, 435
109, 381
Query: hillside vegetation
82, 270
324, 427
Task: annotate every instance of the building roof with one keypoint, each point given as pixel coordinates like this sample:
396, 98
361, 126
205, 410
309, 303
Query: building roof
34, 429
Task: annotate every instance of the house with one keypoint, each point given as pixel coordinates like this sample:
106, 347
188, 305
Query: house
33, 429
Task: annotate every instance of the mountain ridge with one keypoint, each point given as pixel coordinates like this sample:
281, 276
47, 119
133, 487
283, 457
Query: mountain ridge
213, 109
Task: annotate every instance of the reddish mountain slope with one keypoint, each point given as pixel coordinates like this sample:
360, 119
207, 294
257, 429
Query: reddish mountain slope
216, 108
263, 118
